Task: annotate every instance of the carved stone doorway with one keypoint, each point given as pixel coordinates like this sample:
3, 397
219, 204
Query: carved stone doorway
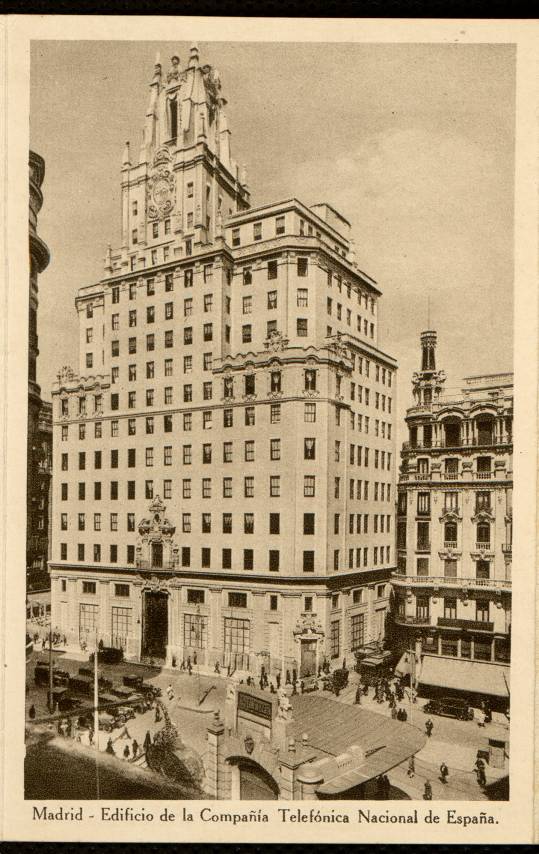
308, 658
154, 625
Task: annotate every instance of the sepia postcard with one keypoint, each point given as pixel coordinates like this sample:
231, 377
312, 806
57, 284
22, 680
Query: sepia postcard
269, 435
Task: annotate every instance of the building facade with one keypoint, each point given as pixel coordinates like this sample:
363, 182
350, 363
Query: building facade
454, 526
39, 447
224, 455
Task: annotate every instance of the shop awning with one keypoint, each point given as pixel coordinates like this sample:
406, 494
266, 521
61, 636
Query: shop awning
478, 677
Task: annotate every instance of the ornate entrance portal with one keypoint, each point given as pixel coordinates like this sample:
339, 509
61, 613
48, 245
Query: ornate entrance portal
154, 625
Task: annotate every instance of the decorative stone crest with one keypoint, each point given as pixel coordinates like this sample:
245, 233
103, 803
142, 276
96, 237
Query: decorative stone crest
154, 584
308, 624
276, 341
158, 524
161, 188
66, 374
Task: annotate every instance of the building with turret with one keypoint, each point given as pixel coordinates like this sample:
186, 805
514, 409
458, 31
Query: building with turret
454, 532
224, 454
39, 446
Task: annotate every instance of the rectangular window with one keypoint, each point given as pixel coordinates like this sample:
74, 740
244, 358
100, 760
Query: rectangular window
275, 413
275, 486
249, 450
302, 297
249, 487
334, 639
274, 523
150, 342
246, 333
248, 558
301, 327
227, 487
257, 231
309, 482
308, 561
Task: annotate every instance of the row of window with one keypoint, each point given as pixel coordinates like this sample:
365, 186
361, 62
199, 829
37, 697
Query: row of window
450, 535
247, 560
449, 569
309, 416
362, 324
382, 492
309, 453
382, 523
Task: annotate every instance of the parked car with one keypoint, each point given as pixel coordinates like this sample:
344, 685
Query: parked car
450, 707
133, 681
108, 655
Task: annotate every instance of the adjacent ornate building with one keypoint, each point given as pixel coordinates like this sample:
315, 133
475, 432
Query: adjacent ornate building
39, 412
454, 531
224, 455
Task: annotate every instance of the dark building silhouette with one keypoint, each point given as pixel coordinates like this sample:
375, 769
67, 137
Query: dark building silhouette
39, 412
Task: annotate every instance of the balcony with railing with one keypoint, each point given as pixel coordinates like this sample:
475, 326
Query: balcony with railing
507, 548
483, 546
493, 584
471, 625
412, 620
450, 544
156, 566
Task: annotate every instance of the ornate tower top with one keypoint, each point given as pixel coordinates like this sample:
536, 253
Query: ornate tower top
427, 384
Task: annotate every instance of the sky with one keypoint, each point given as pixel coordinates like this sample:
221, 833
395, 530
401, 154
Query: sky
414, 144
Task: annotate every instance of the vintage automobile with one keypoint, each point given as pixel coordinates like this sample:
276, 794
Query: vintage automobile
81, 685
62, 700
60, 678
108, 655
450, 707
133, 681
140, 703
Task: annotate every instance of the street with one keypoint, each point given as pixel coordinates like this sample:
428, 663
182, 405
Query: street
196, 697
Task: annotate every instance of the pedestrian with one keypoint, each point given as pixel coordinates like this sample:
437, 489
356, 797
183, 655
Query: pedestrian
404, 715
90, 736
147, 741
170, 691
278, 679
358, 695
157, 714
189, 666
216, 669
32, 712
481, 777
294, 688
302, 687
427, 792
411, 767
395, 713
444, 772
429, 726
126, 752
135, 747
110, 747
261, 683
194, 658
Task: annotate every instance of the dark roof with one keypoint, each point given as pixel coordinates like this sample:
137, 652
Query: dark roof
333, 727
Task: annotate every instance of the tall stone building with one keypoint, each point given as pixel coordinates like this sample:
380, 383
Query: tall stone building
454, 531
224, 456
39, 446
